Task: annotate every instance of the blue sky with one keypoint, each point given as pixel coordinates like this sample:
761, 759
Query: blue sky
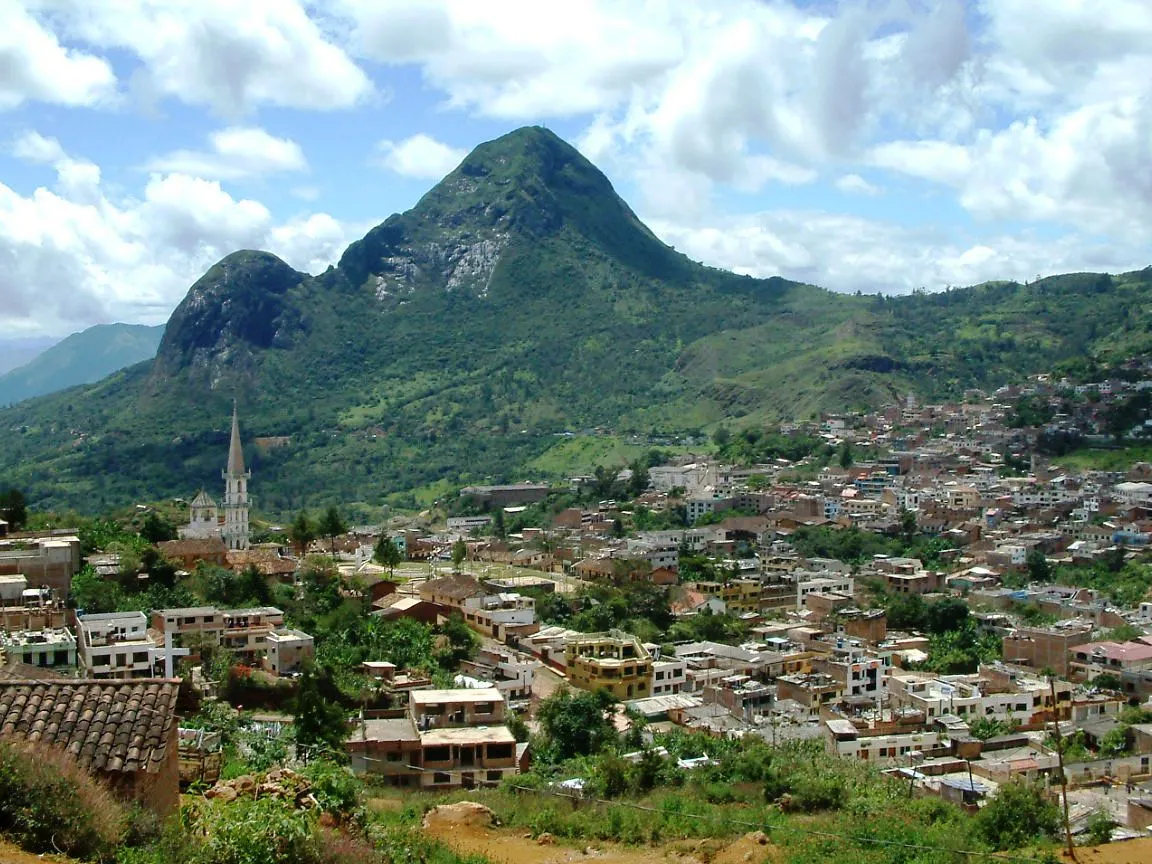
871, 146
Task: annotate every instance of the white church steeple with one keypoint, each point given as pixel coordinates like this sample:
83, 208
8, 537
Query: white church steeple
235, 531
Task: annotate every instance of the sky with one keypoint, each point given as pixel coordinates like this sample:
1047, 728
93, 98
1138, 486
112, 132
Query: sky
878, 146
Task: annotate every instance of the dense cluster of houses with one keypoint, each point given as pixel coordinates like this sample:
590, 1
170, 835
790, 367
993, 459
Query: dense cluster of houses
815, 661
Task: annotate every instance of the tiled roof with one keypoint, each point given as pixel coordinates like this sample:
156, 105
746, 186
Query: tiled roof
178, 548
110, 725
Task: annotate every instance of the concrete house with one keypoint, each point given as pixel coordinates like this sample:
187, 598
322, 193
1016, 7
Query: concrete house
115, 645
444, 739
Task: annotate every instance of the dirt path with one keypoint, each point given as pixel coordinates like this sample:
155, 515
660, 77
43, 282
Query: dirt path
1124, 852
467, 829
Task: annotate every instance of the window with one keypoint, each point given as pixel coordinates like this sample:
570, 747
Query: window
437, 754
484, 708
493, 776
441, 777
394, 756
500, 751
659, 676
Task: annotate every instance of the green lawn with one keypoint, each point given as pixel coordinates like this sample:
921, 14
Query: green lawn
1106, 459
582, 453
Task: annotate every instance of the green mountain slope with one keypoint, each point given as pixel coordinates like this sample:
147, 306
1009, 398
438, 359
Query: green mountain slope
519, 298
82, 358
16, 351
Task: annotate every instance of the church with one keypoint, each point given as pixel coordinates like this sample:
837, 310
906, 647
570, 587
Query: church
205, 522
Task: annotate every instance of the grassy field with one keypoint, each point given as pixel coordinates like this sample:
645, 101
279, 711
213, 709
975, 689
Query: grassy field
1106, 459
582, 453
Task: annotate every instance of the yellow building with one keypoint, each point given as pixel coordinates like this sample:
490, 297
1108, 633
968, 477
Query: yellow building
740, 596
613, 661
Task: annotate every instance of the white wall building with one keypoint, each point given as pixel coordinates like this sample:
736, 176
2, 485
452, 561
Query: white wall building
115, 645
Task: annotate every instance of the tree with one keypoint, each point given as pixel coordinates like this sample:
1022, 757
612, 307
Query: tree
946, 615
13, 508
459, 553
332, 526
846, 457
462, 642
319, 722
1018, 816
498, 527
386, 554
92, 593
1039, 570
575, 724
302, 532
908, 527
638, 483
252, 587
157, 529
1106, 681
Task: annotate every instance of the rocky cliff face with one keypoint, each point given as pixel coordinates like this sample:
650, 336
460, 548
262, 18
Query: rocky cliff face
240, 307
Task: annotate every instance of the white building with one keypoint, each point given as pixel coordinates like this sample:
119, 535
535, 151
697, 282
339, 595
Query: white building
115, 645
204, 516
668, 676
843, 739
287, 649
235, 531
46, 648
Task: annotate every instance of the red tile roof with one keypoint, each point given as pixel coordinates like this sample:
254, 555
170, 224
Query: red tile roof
109, 725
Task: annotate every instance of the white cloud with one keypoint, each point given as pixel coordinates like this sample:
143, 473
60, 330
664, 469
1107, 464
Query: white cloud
848, 253
77, 253
34, 66
33, 147
231, 57
854, 184
419, 156
739, 92
235, 153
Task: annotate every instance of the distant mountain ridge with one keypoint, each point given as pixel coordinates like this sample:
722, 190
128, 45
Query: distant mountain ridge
82, 358
519, 298
16, 351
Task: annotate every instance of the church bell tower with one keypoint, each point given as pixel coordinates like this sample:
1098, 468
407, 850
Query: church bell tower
235, 531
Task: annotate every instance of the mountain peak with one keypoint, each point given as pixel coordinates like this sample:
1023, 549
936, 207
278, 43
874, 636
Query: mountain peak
237, 307
523, 187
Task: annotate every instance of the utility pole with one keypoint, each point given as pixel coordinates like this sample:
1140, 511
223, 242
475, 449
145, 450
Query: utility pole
1060, 764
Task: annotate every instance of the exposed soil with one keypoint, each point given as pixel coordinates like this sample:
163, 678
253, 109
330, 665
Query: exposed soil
467, 828
10, 853
1124, 852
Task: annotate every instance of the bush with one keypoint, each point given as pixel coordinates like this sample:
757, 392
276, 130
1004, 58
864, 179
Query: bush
48, 802
812, 793
1100, 826
1018, 816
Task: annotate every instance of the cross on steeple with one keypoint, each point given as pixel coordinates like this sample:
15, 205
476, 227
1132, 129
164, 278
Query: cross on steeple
168, 653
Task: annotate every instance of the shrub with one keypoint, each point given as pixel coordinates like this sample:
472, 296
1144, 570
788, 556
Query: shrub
1099, 827
48, 802
812, 793
336, 790
258, 831
1019, 815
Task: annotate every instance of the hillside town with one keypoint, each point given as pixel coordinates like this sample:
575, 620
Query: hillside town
937, 596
